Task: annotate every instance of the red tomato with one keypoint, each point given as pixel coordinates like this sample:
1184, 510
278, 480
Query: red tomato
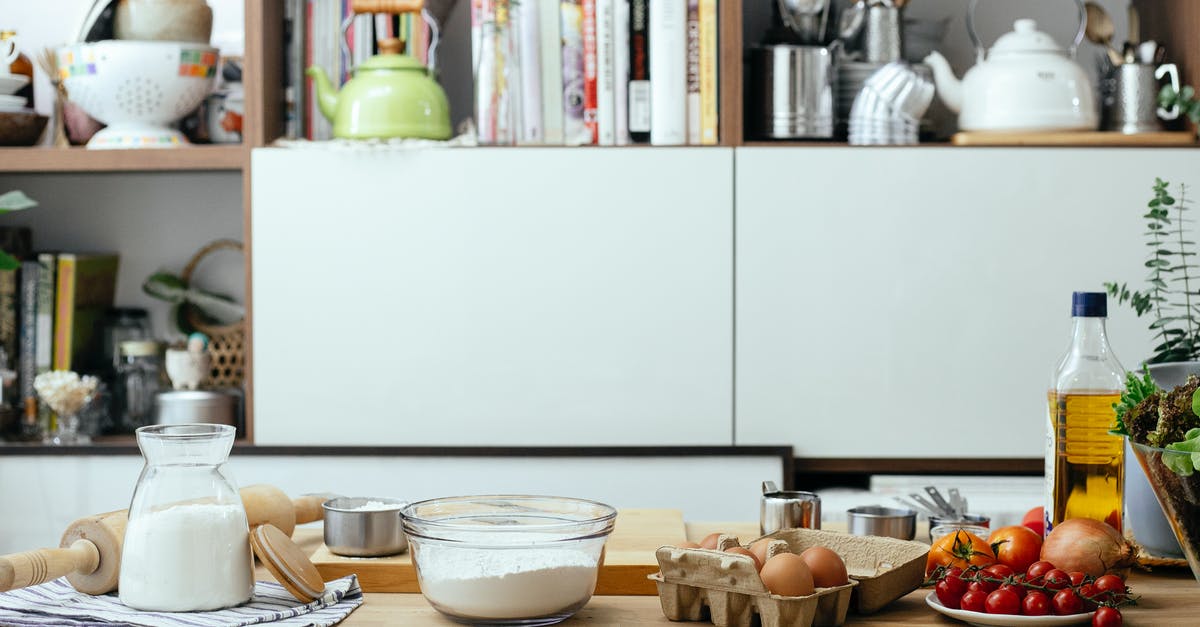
1076, 578
1057, 579
946, 595
1110, 587
1003, 602
998, 571
1037, 571
1066, 602
1088, 592
1107, 617
1017, 546
954, 581
986, 587
1036, 603
961, 549
1035, 519
973, 601
1014, 588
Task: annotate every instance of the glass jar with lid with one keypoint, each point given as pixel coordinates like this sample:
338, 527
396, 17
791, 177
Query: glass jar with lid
139, 379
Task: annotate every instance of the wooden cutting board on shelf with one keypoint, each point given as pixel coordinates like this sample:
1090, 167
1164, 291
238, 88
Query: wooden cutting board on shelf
1066, 138
628, 557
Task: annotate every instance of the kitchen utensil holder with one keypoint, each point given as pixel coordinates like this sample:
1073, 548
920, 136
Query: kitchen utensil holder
226, 342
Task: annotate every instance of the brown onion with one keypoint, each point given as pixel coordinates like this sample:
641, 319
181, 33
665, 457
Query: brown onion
1088, 546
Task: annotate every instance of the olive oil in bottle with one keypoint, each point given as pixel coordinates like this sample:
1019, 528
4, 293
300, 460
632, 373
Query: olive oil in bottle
1084, 464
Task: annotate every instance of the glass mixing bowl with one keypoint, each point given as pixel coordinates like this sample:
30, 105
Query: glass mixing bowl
1179, 496
507, 560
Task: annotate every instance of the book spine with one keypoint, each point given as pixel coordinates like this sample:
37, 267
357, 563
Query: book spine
9, 331
311, 114
639, 71
574, 129
668, 72
45, 313
693, 72
529, 18
708, 73
27, 354
589, 70
621, 70
476, 35
64, 312
606, 71
552, 68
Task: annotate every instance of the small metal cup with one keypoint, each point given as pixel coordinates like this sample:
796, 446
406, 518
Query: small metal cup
787, 509
363, 533
882, 43
874, 520
1131, 101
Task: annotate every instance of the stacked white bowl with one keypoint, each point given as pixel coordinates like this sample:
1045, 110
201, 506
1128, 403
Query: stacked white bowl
889, 107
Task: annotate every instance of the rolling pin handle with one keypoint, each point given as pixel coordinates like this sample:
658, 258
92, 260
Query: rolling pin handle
31, 568
308, 507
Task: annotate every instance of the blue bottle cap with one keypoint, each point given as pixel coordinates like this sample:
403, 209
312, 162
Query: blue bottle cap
1089, 305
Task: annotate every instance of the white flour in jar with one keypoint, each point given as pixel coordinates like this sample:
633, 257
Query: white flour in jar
375, 506
187, 558
505, 583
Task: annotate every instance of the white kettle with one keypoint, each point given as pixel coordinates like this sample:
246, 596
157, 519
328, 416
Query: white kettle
1027, 82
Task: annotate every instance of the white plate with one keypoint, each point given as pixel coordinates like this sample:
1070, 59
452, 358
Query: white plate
12, 103
10, 83
1006, 620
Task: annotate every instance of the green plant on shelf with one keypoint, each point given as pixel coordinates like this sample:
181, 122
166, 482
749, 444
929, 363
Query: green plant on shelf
9, 202
1185, 98
1171, 294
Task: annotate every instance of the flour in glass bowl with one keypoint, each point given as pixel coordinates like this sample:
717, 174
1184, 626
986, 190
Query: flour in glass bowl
505, 583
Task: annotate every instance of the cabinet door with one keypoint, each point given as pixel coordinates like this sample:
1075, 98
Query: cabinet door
527, 296
914, 302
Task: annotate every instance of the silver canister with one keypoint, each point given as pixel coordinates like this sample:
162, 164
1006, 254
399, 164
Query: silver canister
364, 527
1131, 98
178, 407
793, 91
788, 509
882, 38
874, 520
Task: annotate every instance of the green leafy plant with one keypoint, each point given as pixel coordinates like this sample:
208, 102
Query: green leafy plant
1171, 292
1136, 390
1185, 98
13, 201
1185, 456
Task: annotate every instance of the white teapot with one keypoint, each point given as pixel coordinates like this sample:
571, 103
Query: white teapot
1027, 82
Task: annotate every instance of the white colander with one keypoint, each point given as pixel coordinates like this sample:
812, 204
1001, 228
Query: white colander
138, 88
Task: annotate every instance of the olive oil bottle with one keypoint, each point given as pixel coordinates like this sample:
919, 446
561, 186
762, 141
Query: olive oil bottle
1084, 464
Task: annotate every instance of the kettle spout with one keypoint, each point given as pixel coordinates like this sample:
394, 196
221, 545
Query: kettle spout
326, 95
949, 87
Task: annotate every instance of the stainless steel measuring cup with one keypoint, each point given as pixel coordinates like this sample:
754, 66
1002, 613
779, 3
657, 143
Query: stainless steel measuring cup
788, 509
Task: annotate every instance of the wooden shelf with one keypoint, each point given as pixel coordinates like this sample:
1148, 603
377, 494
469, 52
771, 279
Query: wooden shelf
203, 158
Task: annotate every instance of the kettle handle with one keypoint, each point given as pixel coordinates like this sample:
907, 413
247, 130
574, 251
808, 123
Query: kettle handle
1169, 69
979, 50
396, 7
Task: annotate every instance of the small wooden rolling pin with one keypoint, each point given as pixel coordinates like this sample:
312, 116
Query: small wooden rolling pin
90, 556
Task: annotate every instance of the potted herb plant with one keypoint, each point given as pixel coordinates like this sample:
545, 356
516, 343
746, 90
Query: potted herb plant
1146, 414
13, 201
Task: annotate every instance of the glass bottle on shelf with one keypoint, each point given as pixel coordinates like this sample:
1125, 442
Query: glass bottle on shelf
1084, 464
139, 380
497, 75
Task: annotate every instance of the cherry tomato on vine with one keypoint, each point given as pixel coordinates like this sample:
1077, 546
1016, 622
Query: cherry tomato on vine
1057, 579
1066, 602
1088, 592
1110, 587
998, 571
1014, 588
954, 580
973, 601
1076, 578
1107, 617
946, 595
1037, 571
986, 587
1003, 602
1035, 603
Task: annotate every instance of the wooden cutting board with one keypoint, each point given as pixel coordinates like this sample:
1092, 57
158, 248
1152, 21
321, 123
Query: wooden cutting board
628, 557
1086, 138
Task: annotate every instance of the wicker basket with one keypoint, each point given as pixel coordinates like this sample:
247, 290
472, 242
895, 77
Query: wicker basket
227, 342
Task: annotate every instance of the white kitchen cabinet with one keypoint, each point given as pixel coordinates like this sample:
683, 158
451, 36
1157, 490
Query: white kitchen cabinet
913, 302
527, 296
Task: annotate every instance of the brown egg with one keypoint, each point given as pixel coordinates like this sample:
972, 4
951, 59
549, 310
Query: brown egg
828, 569
759, 548
687, 544
710, 541
740, 551
787, 575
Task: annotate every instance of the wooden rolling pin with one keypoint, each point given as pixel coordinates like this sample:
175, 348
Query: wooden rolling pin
90, 556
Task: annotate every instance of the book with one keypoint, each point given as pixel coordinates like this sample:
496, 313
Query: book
84, 288
639, 71
529, 31
27, 353
571, 22
589, 70
693, 72
621, 70
709, 96
16, 241
668, 72
552, 71
606, 71
44, 358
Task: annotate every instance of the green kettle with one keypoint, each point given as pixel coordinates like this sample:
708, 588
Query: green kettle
390, 95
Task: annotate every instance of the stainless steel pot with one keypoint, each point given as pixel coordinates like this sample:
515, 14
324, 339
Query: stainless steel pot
189, 406
352, 530
891, 522
792, 91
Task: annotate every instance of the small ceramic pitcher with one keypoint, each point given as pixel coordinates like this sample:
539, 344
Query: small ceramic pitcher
187, 369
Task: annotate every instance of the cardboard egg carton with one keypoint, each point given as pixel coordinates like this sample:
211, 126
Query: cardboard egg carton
885, 568
695, 584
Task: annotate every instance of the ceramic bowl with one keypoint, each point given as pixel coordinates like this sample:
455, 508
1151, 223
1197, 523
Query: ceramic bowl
21, 128
12, 83
163, 20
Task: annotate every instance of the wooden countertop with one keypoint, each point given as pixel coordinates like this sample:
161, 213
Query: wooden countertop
1169, 598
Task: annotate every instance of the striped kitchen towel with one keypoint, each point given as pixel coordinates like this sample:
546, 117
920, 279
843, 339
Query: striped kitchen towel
57, 603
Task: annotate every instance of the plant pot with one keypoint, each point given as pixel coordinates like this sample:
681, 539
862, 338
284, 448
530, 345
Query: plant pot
1142, 511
